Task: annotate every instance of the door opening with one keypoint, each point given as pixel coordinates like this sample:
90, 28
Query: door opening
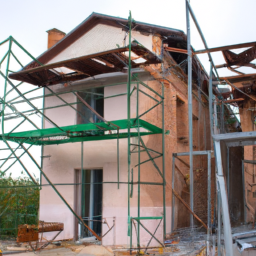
91, 201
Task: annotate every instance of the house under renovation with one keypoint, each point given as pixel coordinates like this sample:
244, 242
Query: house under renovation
141, 147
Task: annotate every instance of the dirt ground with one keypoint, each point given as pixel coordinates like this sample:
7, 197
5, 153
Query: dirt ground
67, 248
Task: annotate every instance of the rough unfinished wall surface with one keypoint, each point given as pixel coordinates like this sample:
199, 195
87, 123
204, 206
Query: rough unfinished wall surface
236, 200
176, 121
235, 181
247, 123
200, 197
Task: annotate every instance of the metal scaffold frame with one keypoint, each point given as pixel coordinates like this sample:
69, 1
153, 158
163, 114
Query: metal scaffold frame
222, 203
130, 124
219, 180
228, 139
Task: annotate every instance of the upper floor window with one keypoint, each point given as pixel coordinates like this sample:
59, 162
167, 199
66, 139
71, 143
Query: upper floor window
95, 98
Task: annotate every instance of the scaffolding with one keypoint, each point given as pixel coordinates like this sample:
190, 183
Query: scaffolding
221, 115
133, 127
222, 139
103, 130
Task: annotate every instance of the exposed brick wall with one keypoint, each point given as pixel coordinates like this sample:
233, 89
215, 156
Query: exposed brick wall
200, 194
247, 125
200, 198
176, 121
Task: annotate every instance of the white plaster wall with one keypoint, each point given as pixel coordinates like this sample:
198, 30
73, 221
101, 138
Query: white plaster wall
115, 108
146, 41
60, 169
65, 158
115, 205
98, 39
62, 116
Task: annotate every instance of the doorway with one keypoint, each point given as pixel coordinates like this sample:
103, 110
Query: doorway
91, 201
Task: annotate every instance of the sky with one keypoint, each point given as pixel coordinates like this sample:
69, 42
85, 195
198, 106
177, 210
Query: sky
223, 22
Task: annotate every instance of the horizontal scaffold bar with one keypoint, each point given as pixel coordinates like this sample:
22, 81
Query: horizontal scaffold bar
85, 183
194, 153
148, 218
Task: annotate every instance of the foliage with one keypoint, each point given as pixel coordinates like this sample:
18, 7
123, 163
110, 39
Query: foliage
18, 205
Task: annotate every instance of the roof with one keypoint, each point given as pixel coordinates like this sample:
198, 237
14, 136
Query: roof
95, 19
86, 66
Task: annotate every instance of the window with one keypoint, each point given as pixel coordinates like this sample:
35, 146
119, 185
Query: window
95, 98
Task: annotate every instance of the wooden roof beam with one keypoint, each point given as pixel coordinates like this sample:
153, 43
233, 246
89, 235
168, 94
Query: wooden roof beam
234, 100
227, 47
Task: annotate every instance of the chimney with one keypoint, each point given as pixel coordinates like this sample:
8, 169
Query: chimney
54, 36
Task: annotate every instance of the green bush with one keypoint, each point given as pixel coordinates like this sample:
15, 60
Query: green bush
19, 204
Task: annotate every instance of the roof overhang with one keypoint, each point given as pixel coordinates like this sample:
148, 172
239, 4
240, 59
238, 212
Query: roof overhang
115, 60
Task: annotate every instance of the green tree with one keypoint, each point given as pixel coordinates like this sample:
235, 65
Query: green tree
19, 204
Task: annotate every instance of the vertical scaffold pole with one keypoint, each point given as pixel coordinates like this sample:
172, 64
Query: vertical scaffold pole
209, 159
190, 117
209, 201
228, 174
163, 162
243, 181
82, 156
219, 222
128, 120
210, 99
5, 84
118, 163
137, 113
223, 208
173, 196
82, 188
42, 147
